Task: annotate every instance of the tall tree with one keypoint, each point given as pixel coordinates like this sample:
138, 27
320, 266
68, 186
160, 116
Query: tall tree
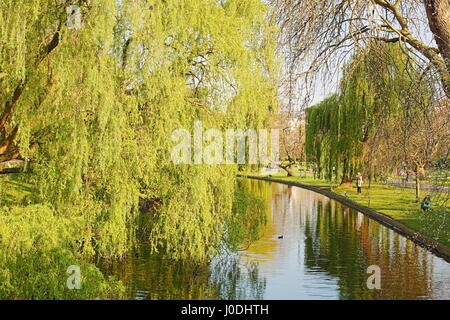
92, 108
352, 131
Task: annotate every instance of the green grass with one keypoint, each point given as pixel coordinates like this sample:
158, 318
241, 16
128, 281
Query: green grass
398, 203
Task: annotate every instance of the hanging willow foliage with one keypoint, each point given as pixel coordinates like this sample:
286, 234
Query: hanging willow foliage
92, 109
342, 129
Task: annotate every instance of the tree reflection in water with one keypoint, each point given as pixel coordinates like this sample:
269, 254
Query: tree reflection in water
154, 277
348, 243
235, 280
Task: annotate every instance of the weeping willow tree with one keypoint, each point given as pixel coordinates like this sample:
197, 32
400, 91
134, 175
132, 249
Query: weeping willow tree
87, 112
321, 126
347, 133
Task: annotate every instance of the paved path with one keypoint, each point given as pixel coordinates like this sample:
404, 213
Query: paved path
412, 185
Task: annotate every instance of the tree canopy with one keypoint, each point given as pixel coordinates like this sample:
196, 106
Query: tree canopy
89, 112
381, 95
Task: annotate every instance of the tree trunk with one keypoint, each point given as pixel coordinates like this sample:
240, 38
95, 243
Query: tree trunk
417, 189
418, 172
288, 169
346, 174
438, 13
8, 148
10, 170
9, 106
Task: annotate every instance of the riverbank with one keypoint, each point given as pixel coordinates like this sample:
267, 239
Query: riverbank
391, 206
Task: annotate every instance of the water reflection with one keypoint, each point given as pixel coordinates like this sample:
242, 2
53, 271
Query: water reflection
150, 277
324, 254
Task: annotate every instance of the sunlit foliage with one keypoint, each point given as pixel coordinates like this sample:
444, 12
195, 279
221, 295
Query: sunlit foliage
91, 110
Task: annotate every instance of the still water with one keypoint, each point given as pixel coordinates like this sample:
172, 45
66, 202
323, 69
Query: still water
324, 253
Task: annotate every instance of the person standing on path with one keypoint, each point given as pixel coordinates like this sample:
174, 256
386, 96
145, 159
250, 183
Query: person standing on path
359, 182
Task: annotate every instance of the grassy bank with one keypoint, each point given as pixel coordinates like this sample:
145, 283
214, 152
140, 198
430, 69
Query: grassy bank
398, 203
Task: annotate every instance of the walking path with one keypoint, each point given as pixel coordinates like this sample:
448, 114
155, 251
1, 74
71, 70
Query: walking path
412, 185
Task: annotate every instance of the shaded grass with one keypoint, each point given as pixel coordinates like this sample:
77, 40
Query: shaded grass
15, 190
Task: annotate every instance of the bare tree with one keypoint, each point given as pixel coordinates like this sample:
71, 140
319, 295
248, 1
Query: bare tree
420, 137
292, 139
321, 33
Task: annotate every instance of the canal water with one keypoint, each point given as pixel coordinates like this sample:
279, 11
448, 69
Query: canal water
310, 247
